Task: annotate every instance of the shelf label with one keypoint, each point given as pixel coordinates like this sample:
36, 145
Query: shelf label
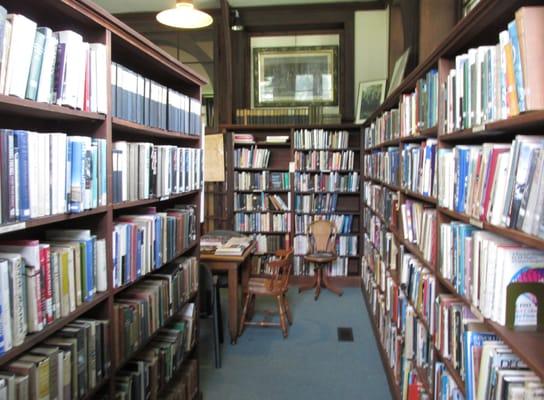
292, 167
12, 227
477, 223
163, 198
478, 128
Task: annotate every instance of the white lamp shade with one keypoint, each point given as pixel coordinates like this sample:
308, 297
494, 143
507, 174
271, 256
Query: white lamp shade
184, 15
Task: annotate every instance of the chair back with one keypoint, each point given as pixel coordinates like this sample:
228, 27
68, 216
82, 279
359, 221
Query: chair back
206, 290
281, 269
322, 236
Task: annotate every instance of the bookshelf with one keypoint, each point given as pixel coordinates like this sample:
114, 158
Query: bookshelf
386, 196
283, 159
130, 49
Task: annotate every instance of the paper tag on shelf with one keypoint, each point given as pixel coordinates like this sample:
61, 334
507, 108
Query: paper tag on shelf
477, 223
292, 167
163, 198
12, 227
478, 128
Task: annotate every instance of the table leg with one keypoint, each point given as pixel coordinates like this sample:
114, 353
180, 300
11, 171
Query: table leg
233, 304
246, 273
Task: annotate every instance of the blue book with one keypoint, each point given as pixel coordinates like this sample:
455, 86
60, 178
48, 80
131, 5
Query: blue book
21, 144
473, 342
158, 242
128, 260
139, 244
520, 88
465, 231
76, 186
462, 161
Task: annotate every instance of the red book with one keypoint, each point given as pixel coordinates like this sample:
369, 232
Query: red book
46, 287
489, 180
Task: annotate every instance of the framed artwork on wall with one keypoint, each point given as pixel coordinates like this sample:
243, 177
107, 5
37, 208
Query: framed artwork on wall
295, 76
398, 72
369, 97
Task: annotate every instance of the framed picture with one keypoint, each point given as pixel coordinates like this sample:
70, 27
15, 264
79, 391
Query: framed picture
398, 72
369, 97
295, 76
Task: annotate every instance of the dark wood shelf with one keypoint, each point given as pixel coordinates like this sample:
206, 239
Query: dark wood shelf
34, 339
394, 188
327, 149
263, 191
424, 380
133, 128
421, 135
127, 285
261, 169
286, 127
92, 394
32, 109
138, 203
514, 125
387, 143
48, 220
452, 371
509, 233
419, 196
263, 144
326, 171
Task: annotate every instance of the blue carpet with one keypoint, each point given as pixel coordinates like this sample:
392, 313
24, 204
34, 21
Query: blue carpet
310, 364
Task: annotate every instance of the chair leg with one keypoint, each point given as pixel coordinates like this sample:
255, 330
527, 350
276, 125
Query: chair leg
319, 274
287, 309
328, 284
310, 286
283, 322
251, 307
219, 314
216, 345
244, 313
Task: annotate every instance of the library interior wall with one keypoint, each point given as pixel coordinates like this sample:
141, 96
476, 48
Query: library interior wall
371, 47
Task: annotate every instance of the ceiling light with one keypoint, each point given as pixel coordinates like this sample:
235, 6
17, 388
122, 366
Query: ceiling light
236, 22
184, 15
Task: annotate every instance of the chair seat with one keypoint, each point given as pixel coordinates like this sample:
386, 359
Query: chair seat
320, 257
259, 285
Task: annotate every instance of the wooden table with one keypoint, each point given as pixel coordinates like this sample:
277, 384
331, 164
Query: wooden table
231, 265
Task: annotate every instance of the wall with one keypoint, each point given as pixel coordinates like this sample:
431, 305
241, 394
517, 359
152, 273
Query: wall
371, 47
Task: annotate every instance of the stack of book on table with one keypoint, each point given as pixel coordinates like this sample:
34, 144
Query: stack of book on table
235, 246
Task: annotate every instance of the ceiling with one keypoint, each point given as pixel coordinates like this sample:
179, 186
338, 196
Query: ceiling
129, 6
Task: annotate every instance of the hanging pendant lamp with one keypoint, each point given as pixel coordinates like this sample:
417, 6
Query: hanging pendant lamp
184, 15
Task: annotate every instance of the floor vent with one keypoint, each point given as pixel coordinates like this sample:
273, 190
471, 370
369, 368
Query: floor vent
345, 334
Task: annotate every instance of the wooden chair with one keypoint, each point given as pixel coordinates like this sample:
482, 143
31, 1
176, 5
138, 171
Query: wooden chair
321, 252
276, 286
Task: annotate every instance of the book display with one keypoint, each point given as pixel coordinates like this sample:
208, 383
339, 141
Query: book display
285, 178
453, 210
101, 177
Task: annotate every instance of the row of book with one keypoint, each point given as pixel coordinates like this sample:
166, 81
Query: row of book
344, 246
50, 173
144, 170
142, 310
327, 182
383, 129
419, 166
496, 82
51, 67
261, 222
339, 267
268, 244
261, 202
382, 200
285, 116
44, 281
481, 266
384, 165
264, 180
67, 365
343, 222
320, 139
324, 160
489, 368
150, 371
316, 203
146, 241
419, 227
251, 158
143, 101
497, 183
419, 110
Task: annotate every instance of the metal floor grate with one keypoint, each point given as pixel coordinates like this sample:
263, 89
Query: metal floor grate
345, 334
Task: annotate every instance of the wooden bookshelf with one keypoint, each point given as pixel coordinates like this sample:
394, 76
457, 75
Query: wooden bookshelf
129, 48
480, 27
281, 158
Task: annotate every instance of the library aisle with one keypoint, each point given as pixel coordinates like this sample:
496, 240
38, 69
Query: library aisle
310, 364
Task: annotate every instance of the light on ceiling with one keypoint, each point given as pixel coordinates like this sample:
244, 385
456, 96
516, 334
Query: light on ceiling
184, 15
236, 22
